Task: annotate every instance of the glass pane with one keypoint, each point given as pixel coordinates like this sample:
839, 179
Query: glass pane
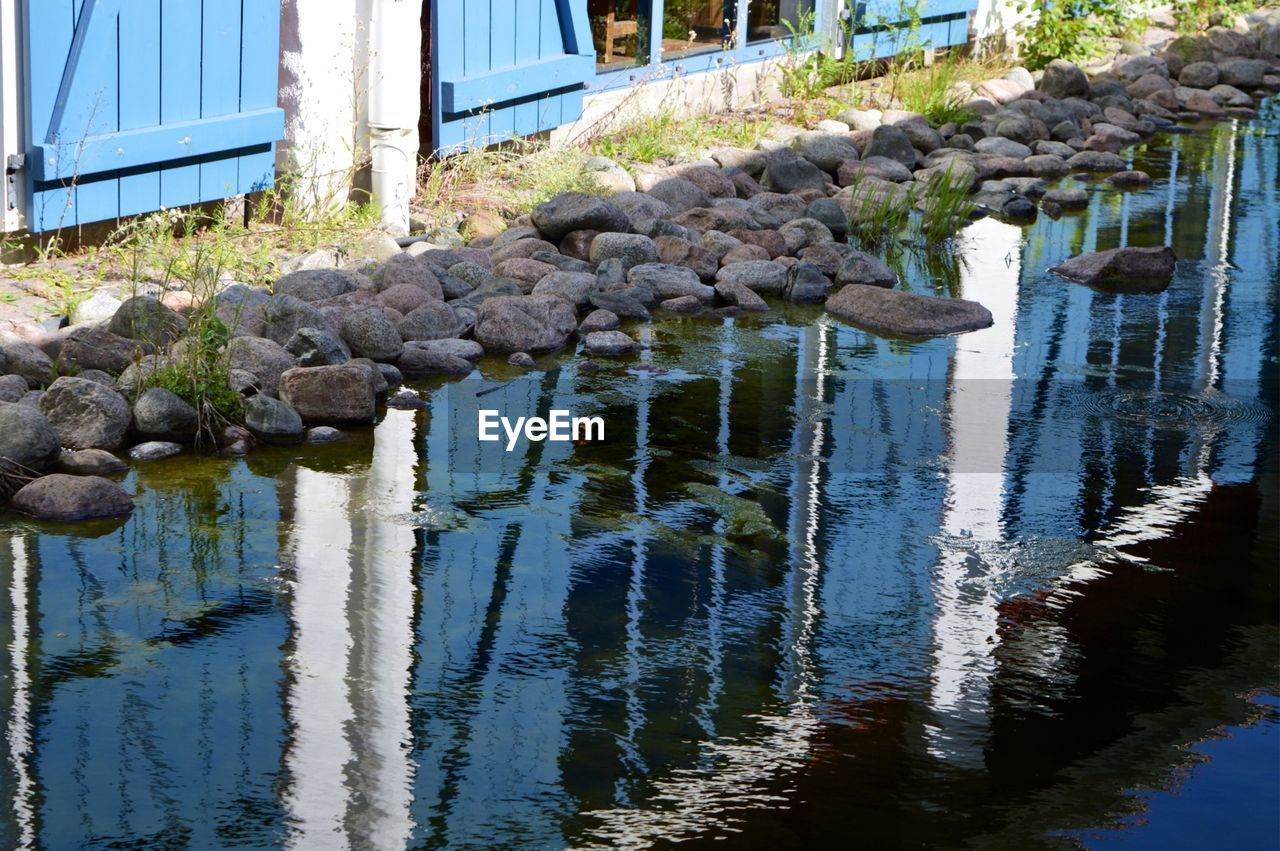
696, 26
767, 19
621, 31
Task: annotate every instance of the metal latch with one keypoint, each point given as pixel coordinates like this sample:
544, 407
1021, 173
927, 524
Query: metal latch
13, 164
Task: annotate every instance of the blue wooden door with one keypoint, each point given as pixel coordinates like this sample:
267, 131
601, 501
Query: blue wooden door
507, 68
138, 105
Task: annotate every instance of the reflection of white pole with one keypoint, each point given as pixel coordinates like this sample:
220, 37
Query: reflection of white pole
19, 728
639, 553
965, 632
319, 706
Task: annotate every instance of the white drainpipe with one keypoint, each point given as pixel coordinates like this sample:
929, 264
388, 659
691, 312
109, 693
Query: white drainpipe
395, 69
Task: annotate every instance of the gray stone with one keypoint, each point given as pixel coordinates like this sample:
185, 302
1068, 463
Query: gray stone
793, 175
535, 323
683, 304
1002, 147
879, 167
468, 350
621, 304
264, 359
609, 343
143, 317
893, 143
417, 362
897, 313
272, 421
100, 307
1121, 269
85, 414
12, 388
325, 434
91, 462
329, 394
806, 284
162, 414
524, 360
283, 315
830, 214
578, 211
681, 252
861, 119
405, 298
407, 400
608, 175
377, 381
759, 276
1046, 166
22, 358
666, 281
799, 234
574, 287
1062, 79
320, 284
861, 268
313, 347
1230, 96
1130, 68
370, 334
1096, 161
740, 296
632, 249
1130, 178
599, 320
432, 321
28, 440
1199, 75
825, 150
242, 309
155, 450
63, 498
95, 347
1243, 73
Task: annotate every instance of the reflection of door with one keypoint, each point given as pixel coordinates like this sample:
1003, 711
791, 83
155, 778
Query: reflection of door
426, 142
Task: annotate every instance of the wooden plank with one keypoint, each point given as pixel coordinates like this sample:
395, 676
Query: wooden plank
219, 92
151, 145
502, 54
528, 38
259, 84
503, 85
92, 105
48, 33
139, 78
180, 48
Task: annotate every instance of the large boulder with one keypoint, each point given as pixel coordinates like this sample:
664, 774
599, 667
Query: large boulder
272, 421
806, 284
892, 143
573, 287
432, 321
370, 334
144, 317
793, 175
1130, 68
677, 194
283, 315
740, 296
609, 343
315, 347
65, 499
825, 150
28, 441
1199, 75
858, 267
12, 388
161, 414
631, 248
95, 347
403, 270
22, 358
418, 362
265, 359
1063, 79
329, 394
578, 211
319, 284
759, 276
86, 414
1243, 73
91, 462
1121, 269
665, 281
534, 323
902, 314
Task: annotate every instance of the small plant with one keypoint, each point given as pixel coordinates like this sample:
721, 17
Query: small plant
878, 213
1194, 15
1070, 31
945, 208
931, 92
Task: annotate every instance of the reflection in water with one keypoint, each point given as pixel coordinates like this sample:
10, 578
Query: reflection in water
956, 592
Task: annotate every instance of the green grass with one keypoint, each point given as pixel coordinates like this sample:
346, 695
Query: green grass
928, 91
665, 136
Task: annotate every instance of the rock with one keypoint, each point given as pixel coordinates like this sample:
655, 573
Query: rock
1144, 87
828, 213
608, 175
892, 143
578, 211
403, 271
805, 284
682, 304
325, 434
1202, 103
1046, 166
667, 282
405, 298
521, 249
573, 287
468, 350
750, 162
370, 334
1230, 42
1130, 178
329, 394
12, 388
828, 257
28, 440
1130, 68
861, 268
155, 450
907, 314
1000, 90
91, 462
1121, 269
143, 317
560, 263
1096, 161
770, 240
793, 175
1199, 75
759, 276
94, 347
632, 249
67, 499
407, 400
677, 194
825, 150
432, 321
242, 309
100, 307
609, 343
709, 178
283, 315
272, 421
861, 119
1022, 77
22, 358
1187, 49
525, 271
621, 304
680, 252
1062, 79
310, 347
882, 168
85, 414
162, 414
1243, 73
599, 320
416, 362
1230, 96
262, 358
740, 296
319, 284
1002, 147
535, 323
1067, 198
377, 380
523, 360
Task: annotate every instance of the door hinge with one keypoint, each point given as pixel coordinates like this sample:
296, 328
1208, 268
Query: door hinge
13, 164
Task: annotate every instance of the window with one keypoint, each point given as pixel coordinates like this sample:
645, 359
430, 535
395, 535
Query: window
767, 19
697, 26
621, 31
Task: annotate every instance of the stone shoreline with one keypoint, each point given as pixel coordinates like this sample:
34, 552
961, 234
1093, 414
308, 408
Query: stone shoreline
325, 346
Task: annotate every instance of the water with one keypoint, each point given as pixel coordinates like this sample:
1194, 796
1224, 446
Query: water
1016, 589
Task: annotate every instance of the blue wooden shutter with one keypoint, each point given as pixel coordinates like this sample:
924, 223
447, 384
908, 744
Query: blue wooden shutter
883, 28
507, 68
136, 105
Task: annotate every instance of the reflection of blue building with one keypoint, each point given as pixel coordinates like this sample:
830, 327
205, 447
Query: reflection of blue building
566, 642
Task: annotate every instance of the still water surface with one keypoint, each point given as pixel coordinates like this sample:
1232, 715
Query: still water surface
817, 586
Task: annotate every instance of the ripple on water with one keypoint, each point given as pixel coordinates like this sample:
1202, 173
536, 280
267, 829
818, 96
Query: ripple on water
1171, 410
